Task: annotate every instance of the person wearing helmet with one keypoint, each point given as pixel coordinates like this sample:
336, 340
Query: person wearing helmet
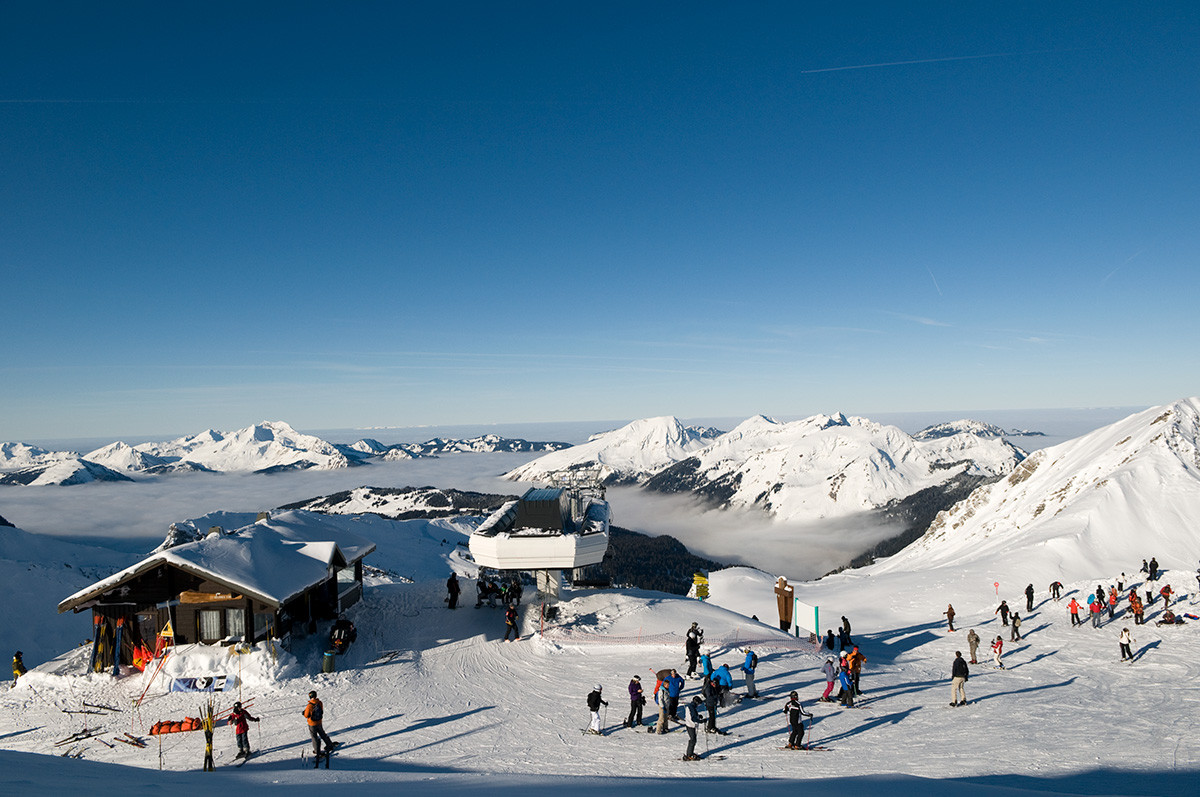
240, 719
691, 719
314, 712
594, 701
830, 669
795, 714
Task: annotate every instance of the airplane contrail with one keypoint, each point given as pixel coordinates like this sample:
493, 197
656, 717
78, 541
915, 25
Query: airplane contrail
918, 61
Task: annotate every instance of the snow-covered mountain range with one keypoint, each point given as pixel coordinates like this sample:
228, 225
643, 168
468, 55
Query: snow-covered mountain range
977, 428
268, 447
630, 454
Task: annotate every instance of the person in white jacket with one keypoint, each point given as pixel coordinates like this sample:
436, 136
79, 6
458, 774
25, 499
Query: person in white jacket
691, 718
1126, 639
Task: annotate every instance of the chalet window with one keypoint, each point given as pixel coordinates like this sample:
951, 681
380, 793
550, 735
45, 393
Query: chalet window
210, 625
260, 625
235, 622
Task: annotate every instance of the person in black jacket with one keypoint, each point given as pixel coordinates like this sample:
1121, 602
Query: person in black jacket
452, 588
795, 712
594, 701
1003, 611
1029, 599
959, 673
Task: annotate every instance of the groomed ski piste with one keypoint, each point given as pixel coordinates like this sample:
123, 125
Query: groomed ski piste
432, 700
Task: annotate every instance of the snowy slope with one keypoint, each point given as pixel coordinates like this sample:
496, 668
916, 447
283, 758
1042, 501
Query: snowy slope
827, 466
121, 456
630, 453
967, 426
62, 472
22, 455
271, 445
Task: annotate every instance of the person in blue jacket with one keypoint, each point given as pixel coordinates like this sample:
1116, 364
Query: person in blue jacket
748, 668
674, 683
847, 688
706, 665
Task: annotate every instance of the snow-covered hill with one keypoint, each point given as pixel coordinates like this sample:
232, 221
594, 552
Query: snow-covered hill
827, 466
1122, 493
74, 470
629, 454
268, 446
966, 426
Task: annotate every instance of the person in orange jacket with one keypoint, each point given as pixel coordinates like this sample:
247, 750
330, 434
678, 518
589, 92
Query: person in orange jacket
856, 659
1167, 592
314, 712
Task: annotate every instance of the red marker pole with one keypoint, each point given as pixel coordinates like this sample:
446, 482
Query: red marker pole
997, 586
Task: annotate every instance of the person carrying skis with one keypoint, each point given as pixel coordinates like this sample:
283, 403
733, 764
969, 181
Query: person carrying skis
18, 667
795, 716
748, 668
690, 720
594, 701
314, 712
510, 624
1073, 607
949, 617
453, 589
1016, 628
830, 669
240, 719
1003, 611
997, 650
636, 700
1125, 640
973, 644
959, 673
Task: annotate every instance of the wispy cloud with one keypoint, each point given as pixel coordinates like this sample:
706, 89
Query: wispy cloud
922, 320
918, 61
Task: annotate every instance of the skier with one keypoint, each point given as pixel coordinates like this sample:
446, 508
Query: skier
241, 719
594, 701
748, 668
997, 649
1096, 607
795, 714
690, 720
973, 644
847, 688
856, 659
453, 589
1145, 567
1056, 590
314, 712
1029, 599
830, 670
1125, 639
691, 648
1073, 606
1112, 601
1016, 628
18, 667
949, 616
636, 701
711, 692
1153, 569
724, 681
510, 624
674, 683
959, 673
1167, 592
706, 668
1003, 611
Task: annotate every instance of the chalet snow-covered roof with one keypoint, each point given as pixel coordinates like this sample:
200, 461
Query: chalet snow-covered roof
271, 561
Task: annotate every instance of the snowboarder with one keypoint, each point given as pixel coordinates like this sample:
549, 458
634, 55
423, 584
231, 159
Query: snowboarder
241, 719
748, 668
314, 712
997, 650
973, 644
1003, 611
1125, 639
1056, 590
795, 714
453, 589
959, 673
18, 666
691, 648
1029, 599
1073, 607
594, 701
830, 669
690, 720
510, 624
949, 616
636, 700
1016, 628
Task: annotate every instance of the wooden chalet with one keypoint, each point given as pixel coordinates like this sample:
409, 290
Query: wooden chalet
270, 579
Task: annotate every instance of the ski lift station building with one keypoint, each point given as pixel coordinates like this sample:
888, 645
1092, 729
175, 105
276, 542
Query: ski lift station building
547, 528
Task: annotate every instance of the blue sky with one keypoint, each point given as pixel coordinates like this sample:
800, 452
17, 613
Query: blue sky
397, 214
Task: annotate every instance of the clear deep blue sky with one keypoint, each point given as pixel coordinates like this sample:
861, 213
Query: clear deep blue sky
354, 214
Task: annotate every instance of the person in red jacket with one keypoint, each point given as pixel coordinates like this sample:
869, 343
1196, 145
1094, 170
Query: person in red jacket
1073, 606
240, 719
997, 649
1167, 592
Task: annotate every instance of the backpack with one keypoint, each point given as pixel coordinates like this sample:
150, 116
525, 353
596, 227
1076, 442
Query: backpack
753, 661
315, 712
